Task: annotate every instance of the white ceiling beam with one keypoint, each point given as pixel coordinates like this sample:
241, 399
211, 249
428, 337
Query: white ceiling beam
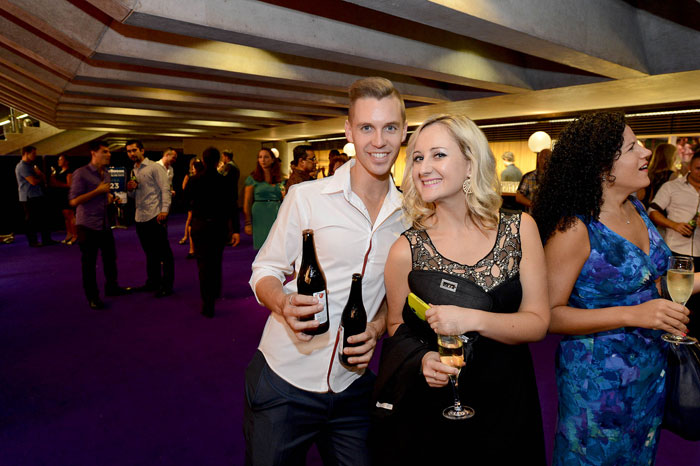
599, 36
466, 62
136, 46
633, 92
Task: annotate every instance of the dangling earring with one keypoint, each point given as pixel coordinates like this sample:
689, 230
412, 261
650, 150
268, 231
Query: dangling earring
467, 186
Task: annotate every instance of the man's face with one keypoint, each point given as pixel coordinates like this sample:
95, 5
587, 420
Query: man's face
694, 173
101, 157
309, 163
169, 158
377, 131
134, 153
31, 156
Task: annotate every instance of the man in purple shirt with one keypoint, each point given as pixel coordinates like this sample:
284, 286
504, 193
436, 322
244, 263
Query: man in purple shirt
89, 193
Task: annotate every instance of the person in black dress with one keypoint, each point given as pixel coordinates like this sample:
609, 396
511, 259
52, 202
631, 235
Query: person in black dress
209, 198
482, 271
60, 182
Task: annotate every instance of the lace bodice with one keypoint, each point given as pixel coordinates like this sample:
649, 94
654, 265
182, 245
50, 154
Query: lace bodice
500, 264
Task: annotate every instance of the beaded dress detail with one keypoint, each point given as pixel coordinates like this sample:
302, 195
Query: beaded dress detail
499, 265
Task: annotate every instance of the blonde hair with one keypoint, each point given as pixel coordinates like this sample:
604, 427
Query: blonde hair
484, 199
376, 88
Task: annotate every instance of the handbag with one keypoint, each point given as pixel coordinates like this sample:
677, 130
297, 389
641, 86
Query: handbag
682, 410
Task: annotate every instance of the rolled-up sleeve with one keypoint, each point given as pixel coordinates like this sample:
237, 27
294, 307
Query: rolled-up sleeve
282, 247
662, 199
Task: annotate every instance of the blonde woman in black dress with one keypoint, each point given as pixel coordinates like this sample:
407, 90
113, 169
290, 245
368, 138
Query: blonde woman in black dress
482, 270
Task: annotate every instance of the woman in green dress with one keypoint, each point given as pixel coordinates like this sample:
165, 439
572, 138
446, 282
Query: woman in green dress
263, 196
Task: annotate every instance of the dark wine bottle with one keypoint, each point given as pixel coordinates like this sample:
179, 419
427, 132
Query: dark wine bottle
354, 318
312, 282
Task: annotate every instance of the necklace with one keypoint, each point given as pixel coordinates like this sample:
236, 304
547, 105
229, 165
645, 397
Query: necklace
627, 217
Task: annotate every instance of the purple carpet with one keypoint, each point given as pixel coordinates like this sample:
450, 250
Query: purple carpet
147, 381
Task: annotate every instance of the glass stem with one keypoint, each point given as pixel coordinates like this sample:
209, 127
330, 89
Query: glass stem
458, 404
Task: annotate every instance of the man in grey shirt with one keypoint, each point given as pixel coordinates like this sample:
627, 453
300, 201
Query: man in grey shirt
89, 194
150, 187
30, 184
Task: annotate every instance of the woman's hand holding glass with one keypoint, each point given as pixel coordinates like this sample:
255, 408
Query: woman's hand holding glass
679, 280
435, 372
661, 314
451, 350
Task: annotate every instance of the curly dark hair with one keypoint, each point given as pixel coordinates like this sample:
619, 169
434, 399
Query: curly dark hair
572, 185
275, 170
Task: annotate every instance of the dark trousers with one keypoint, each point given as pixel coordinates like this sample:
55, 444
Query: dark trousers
209, 239
154, 241
693, 304
90, 241
36, 217
281, 422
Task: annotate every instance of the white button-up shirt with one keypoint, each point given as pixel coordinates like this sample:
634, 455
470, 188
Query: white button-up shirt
170, 170
681, 201
152, 195
342, 234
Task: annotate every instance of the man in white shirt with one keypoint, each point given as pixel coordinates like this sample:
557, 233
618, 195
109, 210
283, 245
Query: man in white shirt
674, 206
167, 161
151, 190
297, 392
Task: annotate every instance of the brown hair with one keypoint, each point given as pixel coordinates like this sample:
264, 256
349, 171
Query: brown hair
275, 172
377, 88
664, 158
335, 159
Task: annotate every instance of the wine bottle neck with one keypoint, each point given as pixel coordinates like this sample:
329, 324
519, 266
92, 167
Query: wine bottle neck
356, 290
309, 251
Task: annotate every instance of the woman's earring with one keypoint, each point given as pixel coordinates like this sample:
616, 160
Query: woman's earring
467, 186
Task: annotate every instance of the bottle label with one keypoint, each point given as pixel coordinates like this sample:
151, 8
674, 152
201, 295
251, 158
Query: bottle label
320, 316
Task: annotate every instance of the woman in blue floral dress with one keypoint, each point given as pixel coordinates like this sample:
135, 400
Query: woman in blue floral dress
605, 260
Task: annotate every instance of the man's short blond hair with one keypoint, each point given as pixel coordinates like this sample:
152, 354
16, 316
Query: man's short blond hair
376, 88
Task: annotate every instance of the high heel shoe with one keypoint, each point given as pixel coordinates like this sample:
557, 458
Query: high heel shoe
71, 241
182, 241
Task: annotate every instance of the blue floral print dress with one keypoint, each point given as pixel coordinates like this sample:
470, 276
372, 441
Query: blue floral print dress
611, 384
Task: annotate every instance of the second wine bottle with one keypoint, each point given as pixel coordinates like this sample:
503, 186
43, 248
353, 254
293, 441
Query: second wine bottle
354, 318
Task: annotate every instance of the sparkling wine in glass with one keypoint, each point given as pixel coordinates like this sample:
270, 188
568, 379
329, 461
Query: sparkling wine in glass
452, 354
679, 280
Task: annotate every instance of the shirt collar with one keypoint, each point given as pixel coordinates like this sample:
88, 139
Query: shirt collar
340, 182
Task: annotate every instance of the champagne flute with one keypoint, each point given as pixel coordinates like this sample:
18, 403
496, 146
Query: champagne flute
452, 354
679, 279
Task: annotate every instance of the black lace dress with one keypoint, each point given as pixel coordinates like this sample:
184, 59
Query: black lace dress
498, 380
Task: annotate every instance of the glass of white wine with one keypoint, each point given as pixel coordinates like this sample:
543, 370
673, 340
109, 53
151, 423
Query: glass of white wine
452, 353
679, 280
